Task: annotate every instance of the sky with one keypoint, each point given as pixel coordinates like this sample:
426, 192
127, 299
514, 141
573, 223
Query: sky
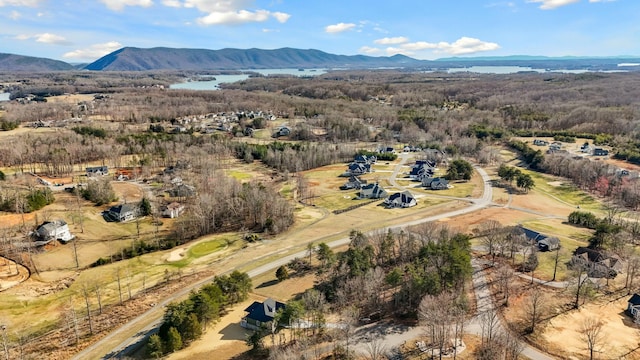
79, 31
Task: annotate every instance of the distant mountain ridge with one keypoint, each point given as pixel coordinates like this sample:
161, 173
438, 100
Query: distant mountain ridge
163, 58
13, 62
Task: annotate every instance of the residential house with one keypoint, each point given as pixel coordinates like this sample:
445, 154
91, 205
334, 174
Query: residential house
53, 230
182, 190
633, 306
172, 210
421, 169
372, 191
540, 142
260, 315
386, 149
97, 171
437, 183
586, 148
401, 200
364, 159
597, 263
358, 169
549, 243
600, 152
543, 242
353, 183
123, 212
282, 131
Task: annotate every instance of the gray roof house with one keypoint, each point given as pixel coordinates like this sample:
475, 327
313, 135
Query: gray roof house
172, 210
597, 263
53, 230
372, 191
260, 314
633, 306
544, 242
353, 183
437, 183
401, 200
123, 212
359, 168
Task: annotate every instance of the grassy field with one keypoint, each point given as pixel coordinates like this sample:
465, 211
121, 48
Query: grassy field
563, 191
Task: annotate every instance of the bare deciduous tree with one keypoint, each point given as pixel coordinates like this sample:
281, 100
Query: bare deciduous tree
591, 333
504, 277
535, 307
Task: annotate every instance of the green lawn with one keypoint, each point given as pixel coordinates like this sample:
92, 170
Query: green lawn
207, 247
565, 192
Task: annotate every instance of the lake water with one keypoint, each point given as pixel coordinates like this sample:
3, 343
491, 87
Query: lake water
517, 69
219, 79
4, 96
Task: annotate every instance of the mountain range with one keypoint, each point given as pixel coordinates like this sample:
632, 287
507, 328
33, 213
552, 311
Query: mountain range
162, 58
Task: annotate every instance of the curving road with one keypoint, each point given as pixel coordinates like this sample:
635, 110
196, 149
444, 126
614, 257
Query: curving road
153, 317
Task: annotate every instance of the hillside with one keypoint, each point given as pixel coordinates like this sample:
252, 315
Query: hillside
136, 59
12, 62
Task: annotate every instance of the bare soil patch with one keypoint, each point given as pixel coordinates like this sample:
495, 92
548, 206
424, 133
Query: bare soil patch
223, 340
127, 191
620, 335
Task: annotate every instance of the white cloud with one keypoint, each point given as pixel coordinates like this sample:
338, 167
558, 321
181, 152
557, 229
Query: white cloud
48, 38
172, 3
270, 30
552, 4
370, 50
419, 45
14, 15
234, 17
340, 27
391, 40
230, 12
28, 3
94, 51
45, 38
466, 45
281, 17
118, 5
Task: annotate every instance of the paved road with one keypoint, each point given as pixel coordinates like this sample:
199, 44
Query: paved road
153, 316
484, 303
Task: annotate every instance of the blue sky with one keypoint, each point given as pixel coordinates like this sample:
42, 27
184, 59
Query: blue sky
84, 30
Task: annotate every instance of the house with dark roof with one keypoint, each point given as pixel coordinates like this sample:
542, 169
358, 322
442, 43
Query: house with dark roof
600, 152
372, 191
260, 314
97, 171
597, 264
401, 200
364, 159
353, 183
52, 230
544, 242
438, 183
123, 212
358, 168
633, 306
